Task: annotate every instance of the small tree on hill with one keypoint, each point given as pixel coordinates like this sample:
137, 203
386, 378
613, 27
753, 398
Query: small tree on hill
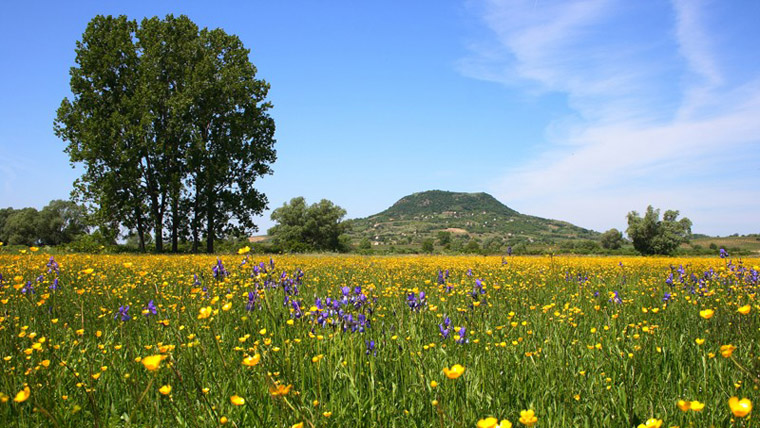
650, 235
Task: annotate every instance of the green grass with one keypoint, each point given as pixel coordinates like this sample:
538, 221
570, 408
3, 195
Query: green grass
569, 353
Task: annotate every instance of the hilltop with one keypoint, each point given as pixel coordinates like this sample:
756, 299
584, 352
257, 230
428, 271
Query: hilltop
477, 217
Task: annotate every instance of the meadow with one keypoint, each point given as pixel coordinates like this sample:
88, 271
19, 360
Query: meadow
321, 341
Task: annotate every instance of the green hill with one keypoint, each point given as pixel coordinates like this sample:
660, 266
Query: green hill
477, 217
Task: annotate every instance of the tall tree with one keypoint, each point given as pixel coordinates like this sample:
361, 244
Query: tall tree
303, 228
650, 235
172, 126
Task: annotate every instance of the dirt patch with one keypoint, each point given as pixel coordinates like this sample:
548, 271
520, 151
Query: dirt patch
456, 231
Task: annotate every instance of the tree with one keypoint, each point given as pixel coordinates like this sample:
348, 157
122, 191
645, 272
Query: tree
172, 128
21, 227
427, 246
60, 222
612, 239
307, 228
444, 237
650, 235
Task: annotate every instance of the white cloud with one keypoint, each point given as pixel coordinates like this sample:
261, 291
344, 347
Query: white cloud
655, 118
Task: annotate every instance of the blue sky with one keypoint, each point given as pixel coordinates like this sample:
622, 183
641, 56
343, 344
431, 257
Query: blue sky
575, 110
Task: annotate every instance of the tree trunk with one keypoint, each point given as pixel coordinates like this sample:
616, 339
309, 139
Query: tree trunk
140, 230
210, 226
175, 224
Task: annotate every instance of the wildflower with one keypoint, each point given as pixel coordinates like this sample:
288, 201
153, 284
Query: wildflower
298, 425
279, 390
696, 406
684, 405
244, 250
327, 414
150, 309
165, 390
744, 310
23, 395
204, 313
707, 313
454, 372
740, 408
433, 384
528, 418
651, 423
727, 350
152, 362
252, 361
371, 347
237, 400
123, 313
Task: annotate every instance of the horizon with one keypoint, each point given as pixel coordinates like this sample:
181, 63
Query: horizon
578, 111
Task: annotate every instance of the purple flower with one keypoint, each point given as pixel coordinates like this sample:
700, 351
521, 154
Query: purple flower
150, 309
371, 347
666, 297
123, 313
723, 253
461, 333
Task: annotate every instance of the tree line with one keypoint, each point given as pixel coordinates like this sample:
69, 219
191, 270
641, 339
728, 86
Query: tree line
59, 222
172, 128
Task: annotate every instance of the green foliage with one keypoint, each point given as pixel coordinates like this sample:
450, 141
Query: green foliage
427, 246
171, 126
21, 227
303, 228
650, 235
612, 239
446, 217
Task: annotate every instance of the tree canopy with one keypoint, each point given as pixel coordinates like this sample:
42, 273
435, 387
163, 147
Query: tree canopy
650, 235
302, 227
59, 222
171, 126
612, 239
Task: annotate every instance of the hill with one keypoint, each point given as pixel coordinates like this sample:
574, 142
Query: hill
477, 217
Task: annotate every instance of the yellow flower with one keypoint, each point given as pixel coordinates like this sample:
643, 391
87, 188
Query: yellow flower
327, 414
237, 400
744, 310
23, 395
454, 372
505, 424
3, 397
707, 313
252, 361
489, 422
740, 408
651, 423
528, 418
280, 390
165, 390
316, 358
727, 350
34, 249
153, 362
298, 425
433, 384
223, 420
226, 306
204, 313
684, 405
699, 341
696, 406
244, 250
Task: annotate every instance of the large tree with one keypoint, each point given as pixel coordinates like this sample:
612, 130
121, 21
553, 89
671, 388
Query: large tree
302, 227
650, 235
172, 127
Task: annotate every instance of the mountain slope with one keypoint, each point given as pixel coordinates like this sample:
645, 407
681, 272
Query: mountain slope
466, 216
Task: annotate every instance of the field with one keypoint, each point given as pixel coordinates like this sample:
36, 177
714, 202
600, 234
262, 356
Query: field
377, 341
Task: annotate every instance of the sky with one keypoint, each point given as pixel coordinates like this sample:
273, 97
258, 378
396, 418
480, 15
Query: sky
577, 110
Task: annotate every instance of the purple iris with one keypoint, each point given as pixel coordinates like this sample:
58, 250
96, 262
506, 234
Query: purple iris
123, 313
666, 297
150, 309
616, 298
723, 253
54, 285
371, 347
461, 333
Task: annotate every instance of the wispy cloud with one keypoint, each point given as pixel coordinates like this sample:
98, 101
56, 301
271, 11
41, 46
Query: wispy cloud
655, 116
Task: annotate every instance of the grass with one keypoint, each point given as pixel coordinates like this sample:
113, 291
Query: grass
545, 334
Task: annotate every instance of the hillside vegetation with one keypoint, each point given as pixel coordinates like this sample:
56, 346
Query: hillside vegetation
466, 217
